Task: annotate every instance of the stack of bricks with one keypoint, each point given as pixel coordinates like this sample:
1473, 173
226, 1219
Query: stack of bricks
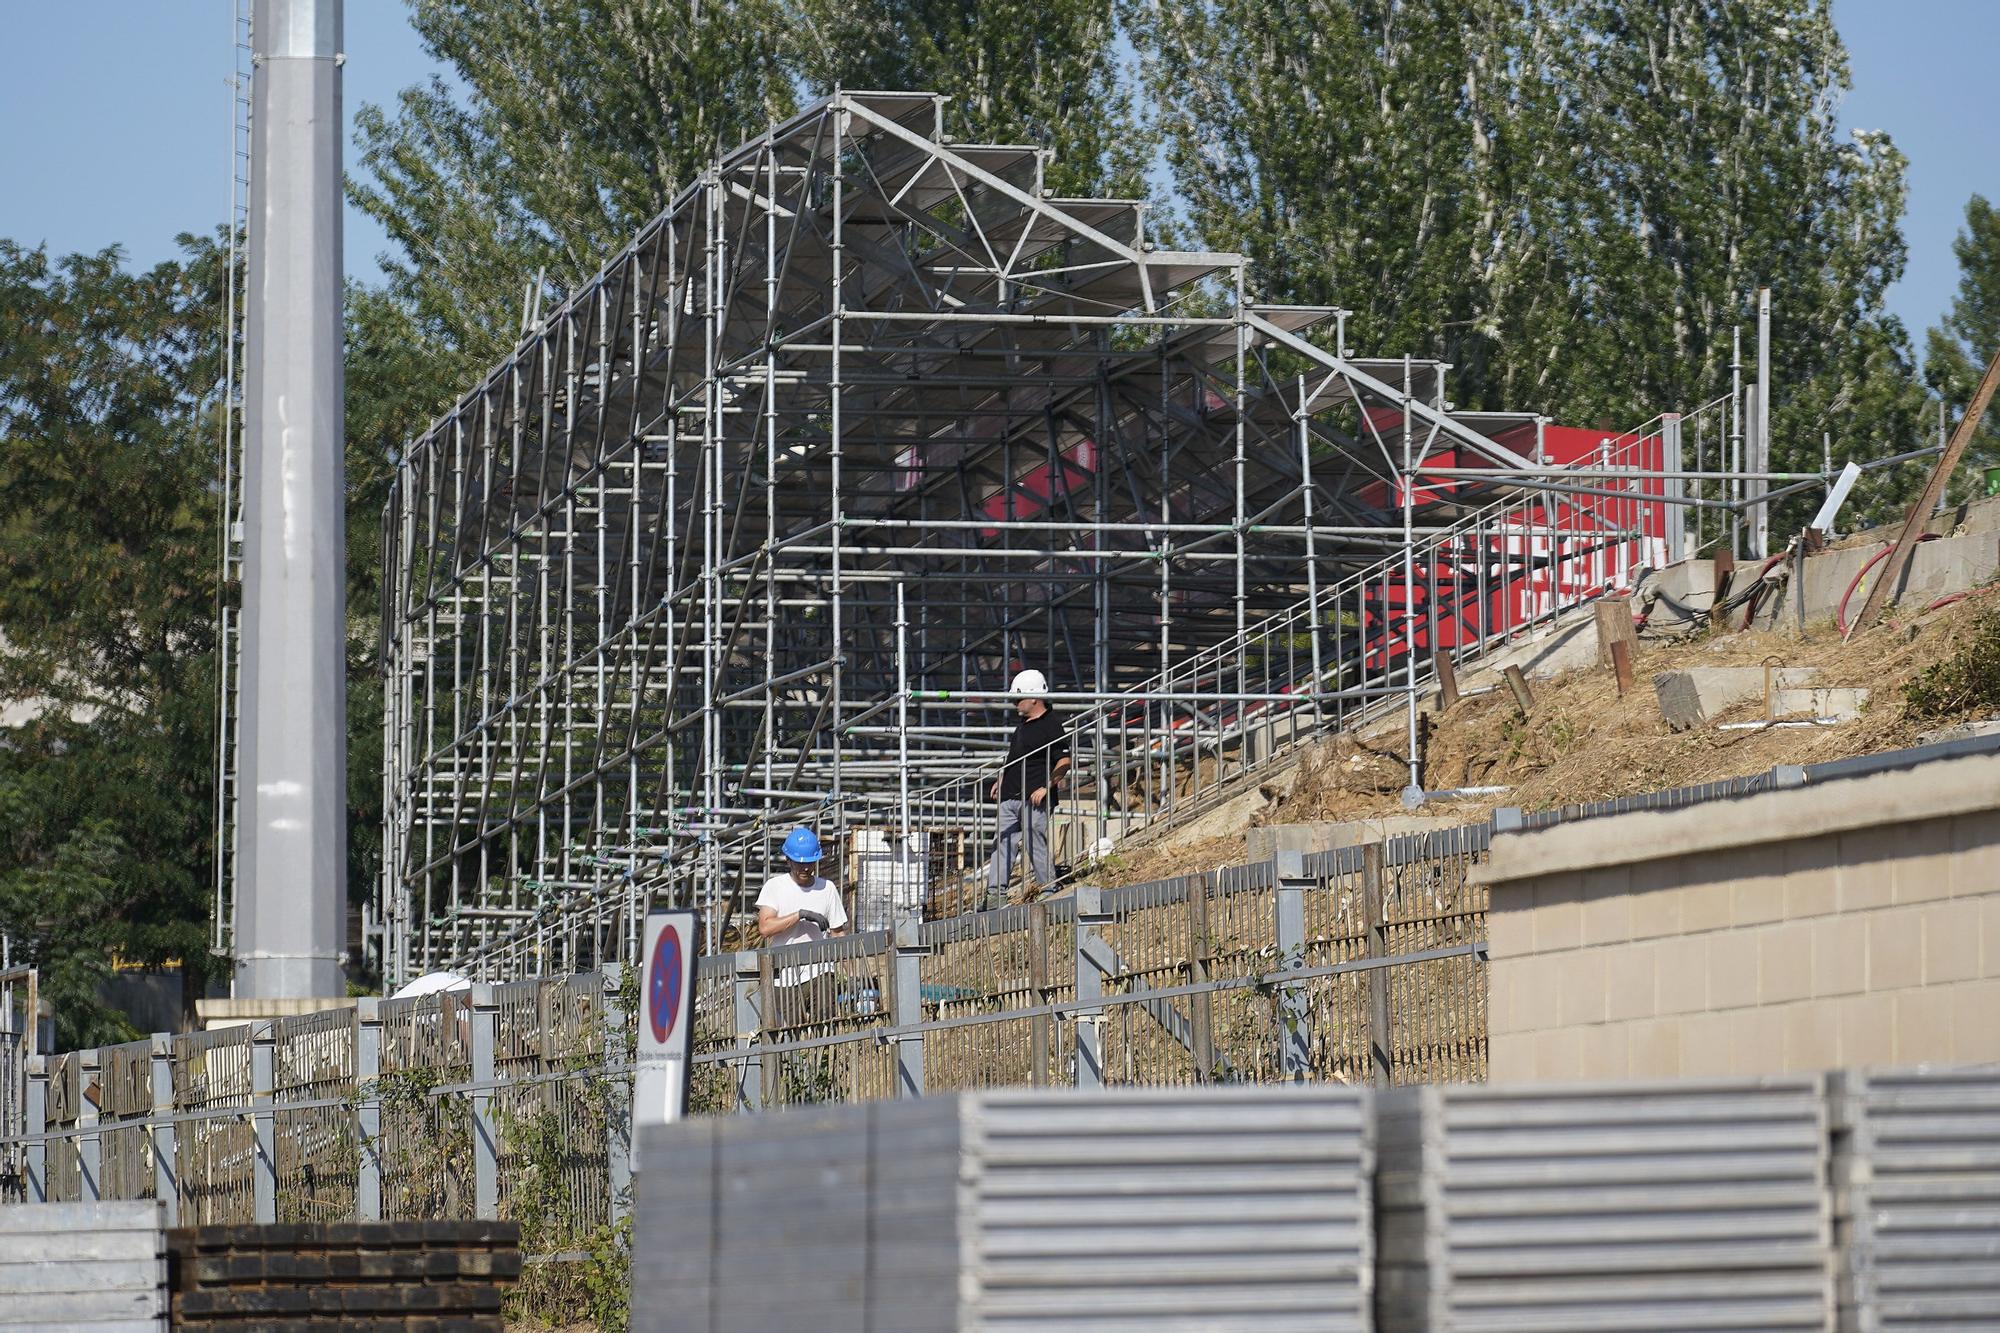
429, 1276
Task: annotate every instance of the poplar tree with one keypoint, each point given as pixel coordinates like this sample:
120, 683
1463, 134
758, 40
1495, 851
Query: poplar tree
1958, 347
563, 128
1572, 201
108, 562
1042, 74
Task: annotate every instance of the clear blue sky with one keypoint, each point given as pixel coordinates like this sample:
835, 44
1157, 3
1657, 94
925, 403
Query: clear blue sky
114, 120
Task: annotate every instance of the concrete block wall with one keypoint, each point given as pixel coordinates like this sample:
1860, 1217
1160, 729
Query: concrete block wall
1855, 923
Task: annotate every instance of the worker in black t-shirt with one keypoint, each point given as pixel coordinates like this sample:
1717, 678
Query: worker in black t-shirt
1037, 758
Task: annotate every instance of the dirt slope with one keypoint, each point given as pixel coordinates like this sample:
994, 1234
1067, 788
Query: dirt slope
1582, 742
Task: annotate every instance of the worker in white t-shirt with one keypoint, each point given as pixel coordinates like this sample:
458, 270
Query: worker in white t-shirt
797, 907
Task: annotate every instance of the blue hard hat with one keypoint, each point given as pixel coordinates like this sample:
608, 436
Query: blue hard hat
802, 844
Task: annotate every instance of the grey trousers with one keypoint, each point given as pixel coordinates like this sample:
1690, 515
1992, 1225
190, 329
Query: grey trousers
1019, 819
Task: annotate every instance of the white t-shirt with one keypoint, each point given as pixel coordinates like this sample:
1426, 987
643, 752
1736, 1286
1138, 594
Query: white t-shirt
783, 895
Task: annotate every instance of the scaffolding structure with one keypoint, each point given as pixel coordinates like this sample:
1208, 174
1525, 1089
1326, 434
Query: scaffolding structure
756, 526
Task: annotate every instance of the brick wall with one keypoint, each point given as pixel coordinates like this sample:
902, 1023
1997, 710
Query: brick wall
355, 1275
1791, 931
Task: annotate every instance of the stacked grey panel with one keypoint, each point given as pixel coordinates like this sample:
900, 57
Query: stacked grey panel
95, 1266
1191, 1209
1158, 1209
1619, 1206
1922, 1194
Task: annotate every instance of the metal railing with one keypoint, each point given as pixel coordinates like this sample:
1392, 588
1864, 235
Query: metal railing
1359, 966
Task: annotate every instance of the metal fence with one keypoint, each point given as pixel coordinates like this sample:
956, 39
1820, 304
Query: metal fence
1361, 966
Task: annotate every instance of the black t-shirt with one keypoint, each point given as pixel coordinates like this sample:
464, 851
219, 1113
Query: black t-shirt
1036, 747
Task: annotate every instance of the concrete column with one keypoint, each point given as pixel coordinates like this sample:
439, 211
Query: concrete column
749, 1023
1090, 917
485, 1129
166, 1181
1676, 489
368, 1109
263, 1121
89, 1147
37, 1164
908, 1011
1294, 1006
618, 1110
291, 892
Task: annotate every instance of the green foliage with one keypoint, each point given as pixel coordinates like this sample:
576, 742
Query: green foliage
1968, 681
108, 443
1957, 350
571, 125
1043, 74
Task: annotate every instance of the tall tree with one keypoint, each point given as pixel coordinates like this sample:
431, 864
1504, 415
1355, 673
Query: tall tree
569, 125
108, 446
1573, 201
1958, 348
1043, 73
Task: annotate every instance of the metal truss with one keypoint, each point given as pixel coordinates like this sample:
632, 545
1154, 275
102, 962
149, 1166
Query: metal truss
756, 526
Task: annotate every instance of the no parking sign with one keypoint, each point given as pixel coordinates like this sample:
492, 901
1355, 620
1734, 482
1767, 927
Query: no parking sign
666, 1018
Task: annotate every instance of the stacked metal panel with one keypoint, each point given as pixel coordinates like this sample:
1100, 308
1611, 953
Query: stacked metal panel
1175, 1209
1691, 1205
94, 1266
1158, 1210
1921, 1189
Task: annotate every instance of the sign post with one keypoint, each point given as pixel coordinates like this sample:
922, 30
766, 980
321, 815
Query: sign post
666, 1020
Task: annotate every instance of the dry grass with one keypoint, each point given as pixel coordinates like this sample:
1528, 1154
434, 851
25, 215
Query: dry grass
1582, 742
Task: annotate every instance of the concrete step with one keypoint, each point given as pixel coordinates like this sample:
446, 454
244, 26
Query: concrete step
1830, 701
1690, 698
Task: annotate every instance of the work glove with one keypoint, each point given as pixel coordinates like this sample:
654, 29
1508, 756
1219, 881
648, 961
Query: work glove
815, 919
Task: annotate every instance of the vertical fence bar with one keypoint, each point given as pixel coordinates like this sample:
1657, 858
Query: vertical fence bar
160, 1073
1294, 1005
907, 1000
368, 1110
1380, 1040
264, 1126
1039, 1030
485, 1129
1090, 918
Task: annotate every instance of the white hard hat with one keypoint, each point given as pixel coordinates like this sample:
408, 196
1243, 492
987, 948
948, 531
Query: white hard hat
1031, 684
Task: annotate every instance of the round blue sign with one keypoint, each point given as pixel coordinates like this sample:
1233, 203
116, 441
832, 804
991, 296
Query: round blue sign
663, 984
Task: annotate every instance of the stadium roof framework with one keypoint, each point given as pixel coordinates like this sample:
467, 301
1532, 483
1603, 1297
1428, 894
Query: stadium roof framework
757, 525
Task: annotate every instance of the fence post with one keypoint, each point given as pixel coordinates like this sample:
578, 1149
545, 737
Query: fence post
89, 1147
160, 1067
485, 1133
907, 998
263, 1119
749, 1091
37, 1163
1294, 1005
1379, 1037
617, 1109
368, 1109
1090, 915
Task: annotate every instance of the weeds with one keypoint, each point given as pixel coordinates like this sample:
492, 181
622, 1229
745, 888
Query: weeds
1967, 681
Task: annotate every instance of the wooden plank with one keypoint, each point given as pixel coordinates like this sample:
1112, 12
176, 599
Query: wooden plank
1447, 679
1524, 698
41, 1218
83, 1247
1621, 666
1913, 527
73, 1308
1725, 574
1614, 625
81, 1275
